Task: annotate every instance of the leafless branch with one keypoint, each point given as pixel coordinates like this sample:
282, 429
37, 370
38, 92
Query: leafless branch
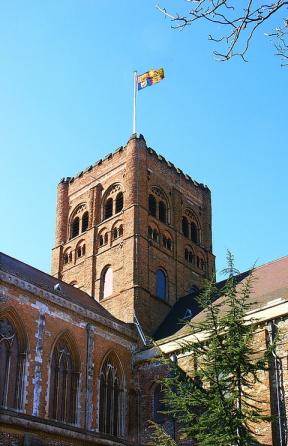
238, 22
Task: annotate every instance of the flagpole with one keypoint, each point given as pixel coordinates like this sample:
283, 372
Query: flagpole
134, 102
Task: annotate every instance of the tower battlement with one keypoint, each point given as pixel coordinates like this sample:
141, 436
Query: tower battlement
134, 232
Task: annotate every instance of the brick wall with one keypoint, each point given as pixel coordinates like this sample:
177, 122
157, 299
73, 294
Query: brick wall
133, 257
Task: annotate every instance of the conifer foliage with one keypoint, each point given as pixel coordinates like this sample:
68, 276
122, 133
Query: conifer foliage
213, 403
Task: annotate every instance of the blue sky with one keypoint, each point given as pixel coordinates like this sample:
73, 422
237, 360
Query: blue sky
66, 72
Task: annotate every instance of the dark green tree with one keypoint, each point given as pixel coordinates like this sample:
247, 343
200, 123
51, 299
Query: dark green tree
213, 402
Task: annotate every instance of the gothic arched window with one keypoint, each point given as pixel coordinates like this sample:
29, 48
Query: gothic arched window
64, 376
111, 404
106, 285
75, 227
152, 205
12, 359
161, 284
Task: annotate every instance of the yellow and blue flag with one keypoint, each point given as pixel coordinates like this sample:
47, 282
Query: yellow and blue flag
151, 77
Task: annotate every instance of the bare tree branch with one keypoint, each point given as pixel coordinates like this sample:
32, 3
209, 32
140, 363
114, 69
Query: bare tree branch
237, 23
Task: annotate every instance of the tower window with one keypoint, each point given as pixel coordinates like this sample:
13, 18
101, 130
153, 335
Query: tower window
106, 283
109, 208
152, 205
161, 284
167, 242
113, 201
162, 211
81, 250
194, 235
185, 227
79, 221
75, 227
85, 221
119, 202
189, 256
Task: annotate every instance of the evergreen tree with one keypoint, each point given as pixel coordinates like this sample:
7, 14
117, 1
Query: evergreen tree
213, 402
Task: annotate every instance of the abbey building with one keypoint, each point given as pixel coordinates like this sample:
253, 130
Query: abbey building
133, 246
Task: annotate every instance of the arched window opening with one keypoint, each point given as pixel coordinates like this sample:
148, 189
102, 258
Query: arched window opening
120, 230
162, 212
101, 240
75, 227
80, 250
115, 233
85, 221
161, 284
12, 361
106, 283
190, 257
194, 233
106, 238
108, 208
119, 202
66, 259
70, 256
111, 399
155, 236
64, 378
185, 227
167, 243
152, 205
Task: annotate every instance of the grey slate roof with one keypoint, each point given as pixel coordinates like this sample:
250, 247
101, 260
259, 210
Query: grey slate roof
270, 281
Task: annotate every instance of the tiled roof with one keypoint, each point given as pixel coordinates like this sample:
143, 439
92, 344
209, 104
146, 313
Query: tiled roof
46, 282
270, 282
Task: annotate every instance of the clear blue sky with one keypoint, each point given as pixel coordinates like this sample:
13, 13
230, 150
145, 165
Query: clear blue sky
66, 101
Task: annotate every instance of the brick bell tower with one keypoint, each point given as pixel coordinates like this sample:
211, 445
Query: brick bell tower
134, 232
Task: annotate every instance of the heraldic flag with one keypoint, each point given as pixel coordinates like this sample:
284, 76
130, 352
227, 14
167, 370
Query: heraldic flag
151, 77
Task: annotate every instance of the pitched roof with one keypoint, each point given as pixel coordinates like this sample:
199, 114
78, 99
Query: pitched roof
270, 282
46, 282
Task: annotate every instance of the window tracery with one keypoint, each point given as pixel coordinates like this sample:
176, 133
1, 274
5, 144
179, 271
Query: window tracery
79, 220
12, 360
190, 226
111, 400
113, 202
158, 205
64, 377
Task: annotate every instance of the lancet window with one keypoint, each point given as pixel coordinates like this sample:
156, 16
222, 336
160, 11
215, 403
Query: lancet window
12, 362
64, 377
111, 400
